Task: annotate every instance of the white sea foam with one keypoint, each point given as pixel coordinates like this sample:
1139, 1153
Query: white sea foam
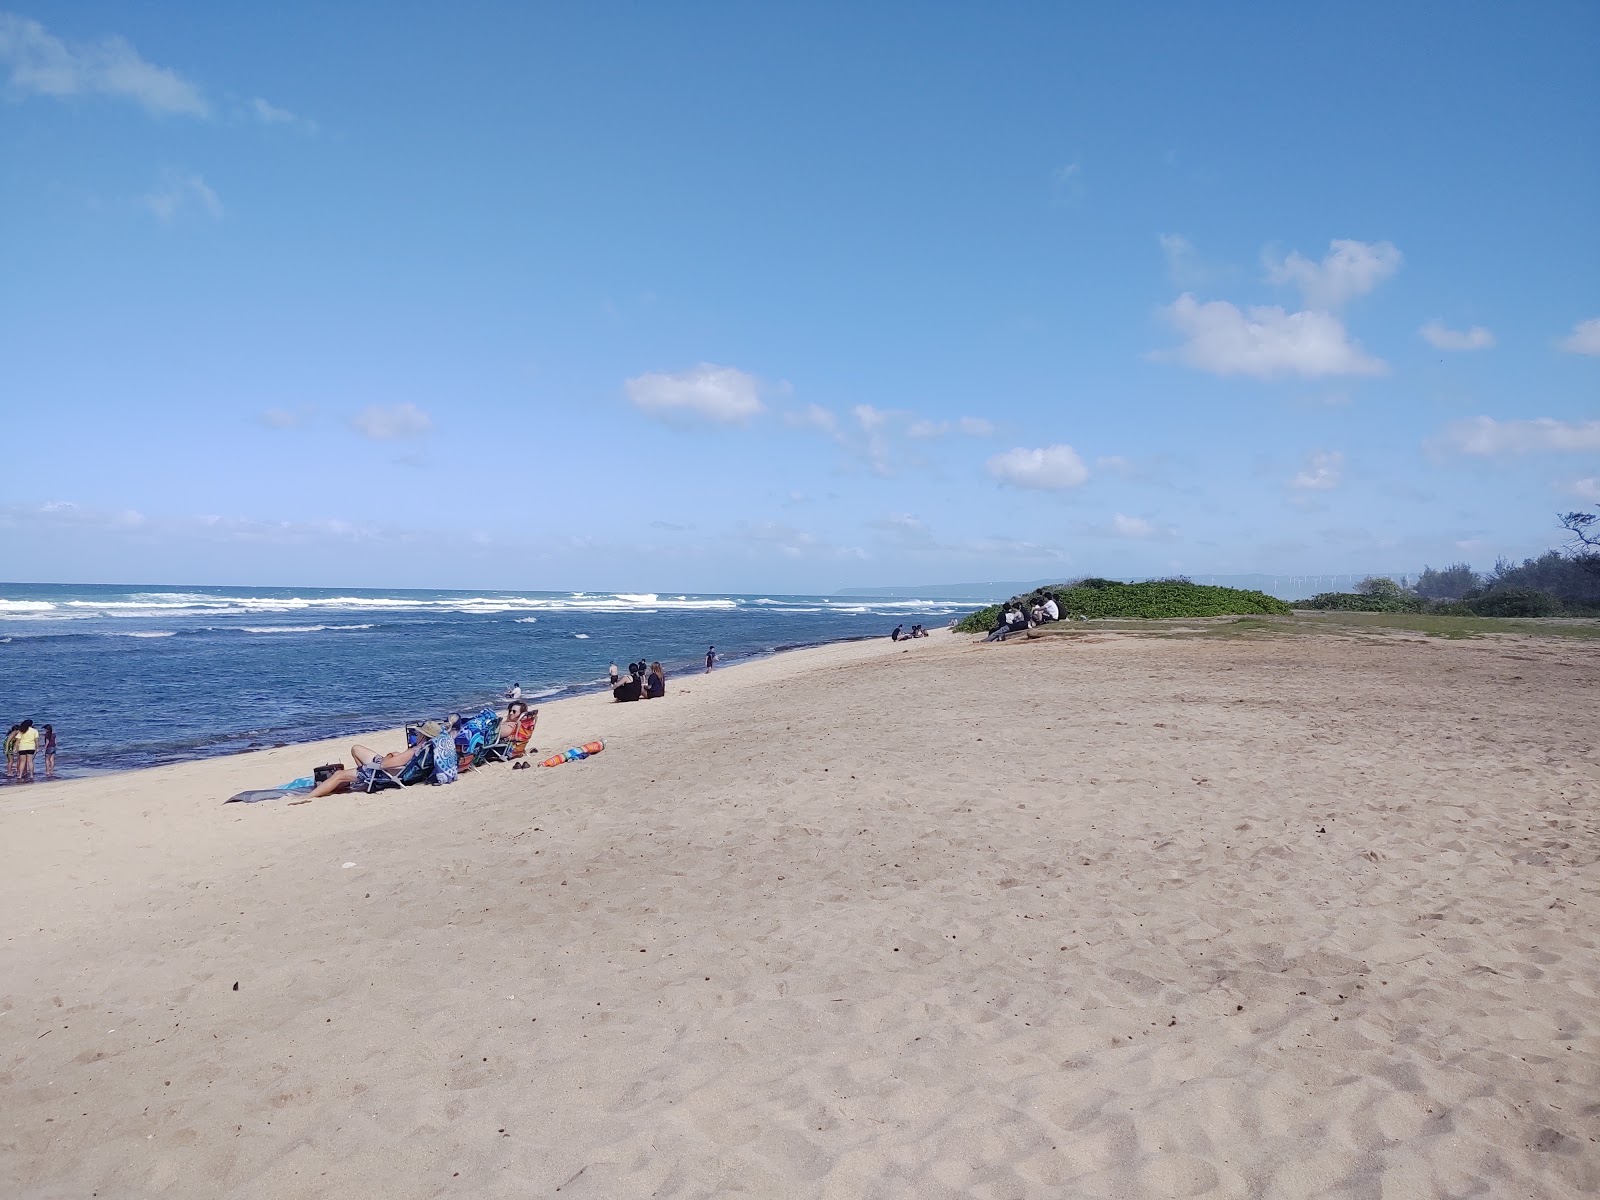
147, 633
582, 637
296, 628
178, 604
525, 620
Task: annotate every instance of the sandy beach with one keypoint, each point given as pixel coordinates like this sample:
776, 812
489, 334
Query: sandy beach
1100, 916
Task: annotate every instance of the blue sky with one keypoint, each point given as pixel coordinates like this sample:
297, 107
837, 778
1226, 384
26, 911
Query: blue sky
792, 297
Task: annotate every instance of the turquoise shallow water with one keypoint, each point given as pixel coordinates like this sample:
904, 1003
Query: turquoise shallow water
137, 675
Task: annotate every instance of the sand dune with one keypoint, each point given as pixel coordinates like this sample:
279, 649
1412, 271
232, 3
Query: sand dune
1103, 917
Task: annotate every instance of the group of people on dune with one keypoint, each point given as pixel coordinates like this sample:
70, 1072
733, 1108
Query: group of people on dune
1018, 617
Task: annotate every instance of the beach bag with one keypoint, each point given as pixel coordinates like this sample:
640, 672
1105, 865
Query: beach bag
446, 768
320, 774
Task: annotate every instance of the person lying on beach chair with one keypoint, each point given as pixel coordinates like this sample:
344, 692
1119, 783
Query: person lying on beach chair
374, 770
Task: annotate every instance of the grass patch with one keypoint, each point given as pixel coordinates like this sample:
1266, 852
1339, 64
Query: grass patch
1458, 627
1336, 624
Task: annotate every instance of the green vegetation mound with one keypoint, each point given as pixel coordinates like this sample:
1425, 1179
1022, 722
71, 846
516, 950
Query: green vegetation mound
1161, 600
1360, 602
1492, 602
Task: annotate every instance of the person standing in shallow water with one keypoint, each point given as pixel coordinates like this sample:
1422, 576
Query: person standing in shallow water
49, 751
27, 743
711, 658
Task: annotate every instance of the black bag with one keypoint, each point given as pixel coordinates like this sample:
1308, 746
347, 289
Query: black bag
320, 775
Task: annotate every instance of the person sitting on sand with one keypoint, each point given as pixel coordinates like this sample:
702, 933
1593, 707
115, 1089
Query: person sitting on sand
370, 762
633, 689
895, 636
655, 684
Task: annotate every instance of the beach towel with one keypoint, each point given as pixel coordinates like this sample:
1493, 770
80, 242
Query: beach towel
294, 787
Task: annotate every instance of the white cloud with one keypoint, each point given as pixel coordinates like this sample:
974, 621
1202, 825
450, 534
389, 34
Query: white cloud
393, 423
1484, 437
1050, 468
924, 430
1324, 471
41, 64
178, 194
1441, 337
1584, 338
813, 417
707, 392
1584, 489
1265, 341
1348, 270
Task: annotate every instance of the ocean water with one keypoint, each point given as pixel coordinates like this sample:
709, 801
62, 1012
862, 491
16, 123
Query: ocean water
135, 676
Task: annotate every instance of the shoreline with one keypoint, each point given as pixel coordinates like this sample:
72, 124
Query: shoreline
559, 694
391, 737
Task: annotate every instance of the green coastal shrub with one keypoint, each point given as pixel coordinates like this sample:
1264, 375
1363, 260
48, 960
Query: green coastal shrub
1364, 602
1513, 602
1160, 600
1494, 602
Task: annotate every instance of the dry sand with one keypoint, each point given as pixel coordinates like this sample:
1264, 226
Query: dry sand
1115, 917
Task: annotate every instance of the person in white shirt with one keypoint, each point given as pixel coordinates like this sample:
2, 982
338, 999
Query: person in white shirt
1052, 610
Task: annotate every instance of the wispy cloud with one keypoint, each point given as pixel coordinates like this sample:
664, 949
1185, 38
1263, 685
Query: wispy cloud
1584, 489
178, 194
706, 393
792, 542
1440, 336
1485, 437
1131, 528
1264, 341
1066, 185
264, 112
393, 423
924, 430
902, 527
1584, 338
41, 64
1323, 471
1048, 468
286, 418
812, 417
166, 528
1348, 270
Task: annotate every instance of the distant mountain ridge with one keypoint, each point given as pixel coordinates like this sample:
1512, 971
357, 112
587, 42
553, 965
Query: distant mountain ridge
1284, 587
